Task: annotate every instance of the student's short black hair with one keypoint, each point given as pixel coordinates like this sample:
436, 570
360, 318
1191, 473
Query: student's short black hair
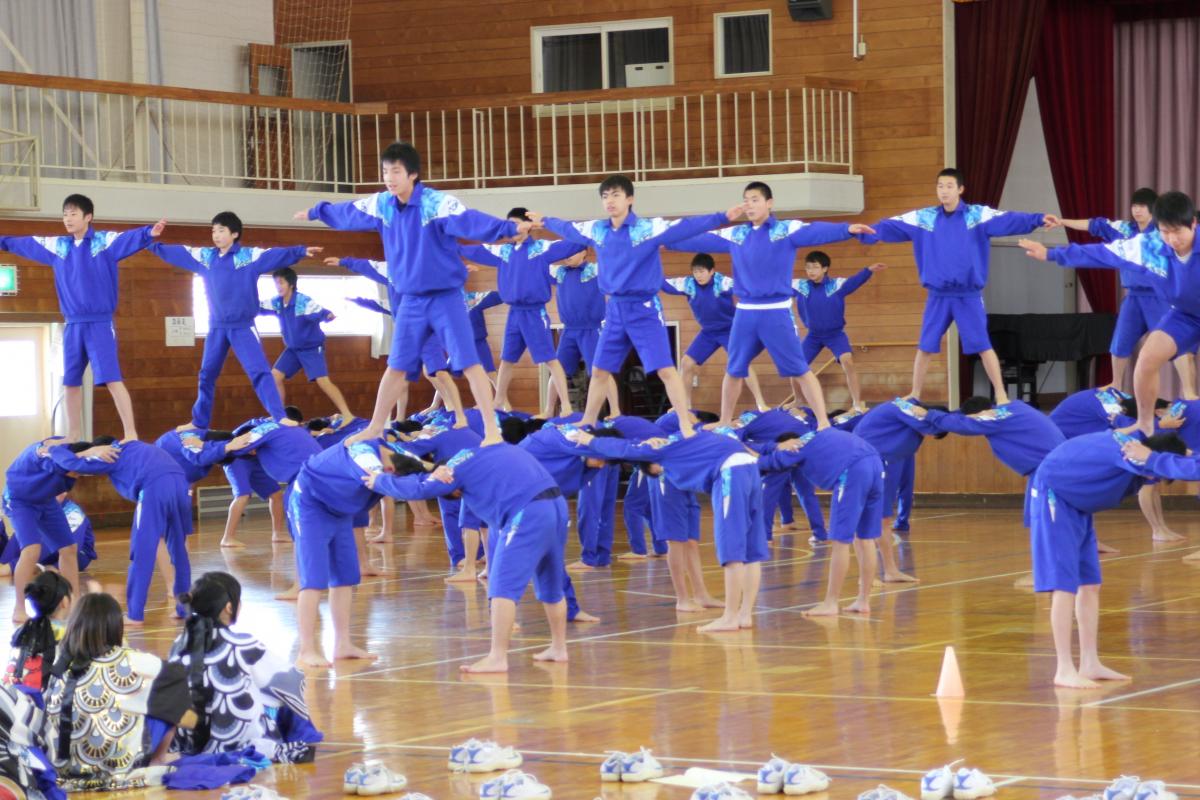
837, 412
513, 430
944, 410
1161, 403
230, 220
79, 447
104, 439
953, 172
607, 433
317, 424
406, 426
1144, 196
407, 465
973, 405
705, 417
617, 182
1129, 406
217, 436
245, 427
293, 413
818, 257
1166, 443
534, 424
704, 261
404, 154
287, 273
760, 187
519, 212
80, 201
786, 437
1175, 210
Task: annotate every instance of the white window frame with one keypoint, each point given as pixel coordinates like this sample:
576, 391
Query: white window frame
719, 43
351, 280
536, 35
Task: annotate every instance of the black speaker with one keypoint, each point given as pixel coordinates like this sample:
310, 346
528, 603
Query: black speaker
810, 10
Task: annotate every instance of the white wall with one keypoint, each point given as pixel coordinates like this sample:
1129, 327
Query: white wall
204, 43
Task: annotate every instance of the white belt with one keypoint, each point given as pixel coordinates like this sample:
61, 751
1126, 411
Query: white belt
765, 306
738, 459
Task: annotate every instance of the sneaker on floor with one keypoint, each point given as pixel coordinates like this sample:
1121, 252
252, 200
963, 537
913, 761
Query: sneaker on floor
802, 779
491, 757
818, 538
610, 770
882, 792
1123, 788
720, 791
770, 775
938, 783
523, 786
415, 796
349, 780
640, 766
900, 528
492, 789
1154, 790
378, 779
971, 784
460, 754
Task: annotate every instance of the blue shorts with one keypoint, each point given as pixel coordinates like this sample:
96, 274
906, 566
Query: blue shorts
433, 359
326, 555
856, 508
530, 547
838, 344
527, 326
577, 345
705, 344
484, 351
770, 328
1063, 540
1183, 328
967, 310
42, 524
312, 360
443, 314
468, 519
674, 513
246, 476
94, 342
739, 521
633, 323
362, 519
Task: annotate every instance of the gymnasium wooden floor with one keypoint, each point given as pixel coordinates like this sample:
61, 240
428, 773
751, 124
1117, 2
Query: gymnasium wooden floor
850, 696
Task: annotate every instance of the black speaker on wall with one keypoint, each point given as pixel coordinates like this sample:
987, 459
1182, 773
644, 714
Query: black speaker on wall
810, 10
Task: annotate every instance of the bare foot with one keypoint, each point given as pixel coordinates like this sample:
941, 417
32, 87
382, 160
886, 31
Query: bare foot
826, 609
719, 625
1101, 547
1167, 535
1192, 556
369, 570
688, 607
463, 576
314, 660
583, 616
488, 441
280, 536
1024, 582
483, 576
744, 623
859, 607
1073, 680
289, 595
488, 664
632, 556
351, 652
1099, 672
710, 602
551, 654
232, 543
134, 623
899, 577
424, 523
579, 566
1130, 429
380, 538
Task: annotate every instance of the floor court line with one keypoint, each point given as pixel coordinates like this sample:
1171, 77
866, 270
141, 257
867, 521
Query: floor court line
1117, 698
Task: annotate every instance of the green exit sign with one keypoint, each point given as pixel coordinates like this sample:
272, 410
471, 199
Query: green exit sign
8, 279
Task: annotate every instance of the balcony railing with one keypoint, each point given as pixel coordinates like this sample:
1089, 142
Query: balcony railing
104, 131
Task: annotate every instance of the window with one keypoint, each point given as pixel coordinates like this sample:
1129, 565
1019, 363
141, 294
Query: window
21, 391
603, 55
742, 43
330, 291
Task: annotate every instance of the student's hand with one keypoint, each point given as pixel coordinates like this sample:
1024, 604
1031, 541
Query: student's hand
858, 228
877, 267
332, 316
1033, 249
187, 426
536, 218
312, 251
443, 474
239, 442
575, 260
736, 212
472, 268
332, 261
656, 442
918, 411
578, 437
301, 214
1136, 451
1050, 221
789, 446
523, 228
987, 414
158, 228
106, 453
1168, 422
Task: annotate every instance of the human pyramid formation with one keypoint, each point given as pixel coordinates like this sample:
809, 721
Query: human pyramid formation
509, 472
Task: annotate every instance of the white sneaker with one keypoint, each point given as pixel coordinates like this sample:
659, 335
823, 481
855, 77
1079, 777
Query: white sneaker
802, 779
720, 791
610, 770
460, 754
938, 783
770, 775
1123, 788
640, 766
1154, 790
882, 792
491, 757
971, 784
494, 788
351, 778
523, 786
415, 796
378, 779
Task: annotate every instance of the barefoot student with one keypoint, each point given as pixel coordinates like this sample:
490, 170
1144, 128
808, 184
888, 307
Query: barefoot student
506, 486
726, 469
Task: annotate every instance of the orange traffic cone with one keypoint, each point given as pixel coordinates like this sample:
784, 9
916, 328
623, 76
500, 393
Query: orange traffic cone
950, 683
951, 709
